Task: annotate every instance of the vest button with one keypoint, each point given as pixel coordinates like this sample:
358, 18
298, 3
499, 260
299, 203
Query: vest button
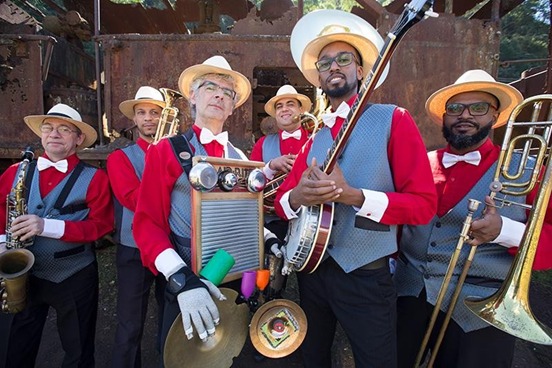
330, 246
39, 206
334, 222
429, 259
433, 244
426, 276
438, 224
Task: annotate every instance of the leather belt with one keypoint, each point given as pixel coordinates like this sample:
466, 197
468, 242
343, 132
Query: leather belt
376, 265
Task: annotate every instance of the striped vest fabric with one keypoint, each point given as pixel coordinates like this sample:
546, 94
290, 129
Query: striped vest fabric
53, 258
180, 220
365, 165
124, 216
426, 252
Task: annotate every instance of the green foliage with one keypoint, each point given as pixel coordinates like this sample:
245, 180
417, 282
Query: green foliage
524, 37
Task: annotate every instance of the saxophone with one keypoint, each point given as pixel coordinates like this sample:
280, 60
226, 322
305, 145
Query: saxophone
16, 261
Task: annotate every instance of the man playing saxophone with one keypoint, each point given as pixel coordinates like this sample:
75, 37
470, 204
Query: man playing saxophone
69, 206
125, 168
468, 110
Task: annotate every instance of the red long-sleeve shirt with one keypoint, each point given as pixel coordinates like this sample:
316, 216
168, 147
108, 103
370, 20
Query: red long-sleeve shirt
122, 176
151, 220
414, 200
98, 199
287, 146
455, 182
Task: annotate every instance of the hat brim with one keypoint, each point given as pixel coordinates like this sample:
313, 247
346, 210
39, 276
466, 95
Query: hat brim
242, 84
35, 121
270, 106
368, 52
508, 96
127, 107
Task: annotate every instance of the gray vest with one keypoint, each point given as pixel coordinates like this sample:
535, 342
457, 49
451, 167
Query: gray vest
124, 216
365, 164
180, 220
271, 147
56, 260
426, 252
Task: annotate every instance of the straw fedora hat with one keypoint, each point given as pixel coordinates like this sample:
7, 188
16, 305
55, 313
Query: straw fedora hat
287, 91
216, 65
319, 28
475, 80
68, 114
145, 94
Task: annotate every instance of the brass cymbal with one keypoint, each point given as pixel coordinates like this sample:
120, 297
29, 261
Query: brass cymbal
220, 349
278, 328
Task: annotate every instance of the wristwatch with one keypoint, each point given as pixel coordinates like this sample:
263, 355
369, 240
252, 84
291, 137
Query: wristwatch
177, 282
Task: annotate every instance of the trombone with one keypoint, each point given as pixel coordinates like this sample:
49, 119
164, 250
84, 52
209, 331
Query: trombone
508, 309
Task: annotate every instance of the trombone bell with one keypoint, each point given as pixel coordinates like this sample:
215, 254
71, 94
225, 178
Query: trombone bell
508, 309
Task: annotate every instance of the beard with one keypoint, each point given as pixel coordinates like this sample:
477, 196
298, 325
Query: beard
344, 90
462, 141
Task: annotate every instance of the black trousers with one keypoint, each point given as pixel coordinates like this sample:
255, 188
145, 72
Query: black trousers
484, 348
134, 282
363, 301
75, 301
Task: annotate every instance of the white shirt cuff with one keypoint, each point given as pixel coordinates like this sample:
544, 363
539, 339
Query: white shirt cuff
374, 206
168, 262
269, 173
510, 233
3, 238
284, 202
53, 228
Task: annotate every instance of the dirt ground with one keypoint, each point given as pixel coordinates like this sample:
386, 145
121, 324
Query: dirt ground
527, 355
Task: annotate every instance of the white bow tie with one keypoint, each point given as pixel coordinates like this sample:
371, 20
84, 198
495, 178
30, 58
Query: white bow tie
207, 137
472, 158
296, 134
342, 112
44, 163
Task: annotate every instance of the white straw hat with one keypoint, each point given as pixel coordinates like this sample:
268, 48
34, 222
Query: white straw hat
145, 94
287, 91
215, 65
475, 80
67, 113
319, 28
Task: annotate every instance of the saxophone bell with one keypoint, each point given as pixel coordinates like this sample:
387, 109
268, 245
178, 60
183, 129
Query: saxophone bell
168, 122
14, 272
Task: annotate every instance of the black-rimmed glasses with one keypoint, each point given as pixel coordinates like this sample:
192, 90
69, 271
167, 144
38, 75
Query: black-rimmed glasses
212, 87
475, 109
342, 59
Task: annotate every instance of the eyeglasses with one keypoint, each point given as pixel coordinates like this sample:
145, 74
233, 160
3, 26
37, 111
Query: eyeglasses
475, 109
212, 87
62, 129
342, 59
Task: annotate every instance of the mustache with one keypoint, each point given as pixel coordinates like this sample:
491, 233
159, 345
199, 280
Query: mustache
464, 121
333, 75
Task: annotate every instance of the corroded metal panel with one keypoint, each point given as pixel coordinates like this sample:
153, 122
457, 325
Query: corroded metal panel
20, 90
131, 61
433, 54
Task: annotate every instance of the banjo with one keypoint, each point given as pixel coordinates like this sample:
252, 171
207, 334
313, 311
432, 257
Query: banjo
309, 233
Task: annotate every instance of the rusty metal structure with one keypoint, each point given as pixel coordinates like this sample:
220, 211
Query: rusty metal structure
44, 58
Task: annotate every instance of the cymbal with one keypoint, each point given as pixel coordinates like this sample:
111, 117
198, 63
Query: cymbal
220, 349
278, 328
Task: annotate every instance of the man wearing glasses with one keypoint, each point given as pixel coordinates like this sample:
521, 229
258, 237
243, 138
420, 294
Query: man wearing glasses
162, 222
69, 206
467, 110
382, 179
